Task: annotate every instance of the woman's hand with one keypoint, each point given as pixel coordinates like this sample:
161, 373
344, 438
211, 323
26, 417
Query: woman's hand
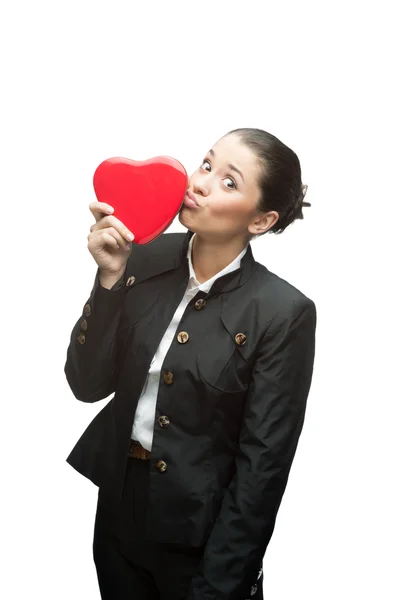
108, 241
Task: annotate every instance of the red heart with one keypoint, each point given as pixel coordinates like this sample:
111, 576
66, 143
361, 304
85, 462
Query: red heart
146, 195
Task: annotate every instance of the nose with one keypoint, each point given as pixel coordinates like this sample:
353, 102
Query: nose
199, 186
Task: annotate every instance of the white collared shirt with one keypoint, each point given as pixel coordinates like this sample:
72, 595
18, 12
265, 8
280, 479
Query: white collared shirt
143, 426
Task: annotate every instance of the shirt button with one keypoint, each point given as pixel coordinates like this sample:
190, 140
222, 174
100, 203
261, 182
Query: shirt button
241, 338
87, 310
254, 589
182, 337
168, 377
81, 338
161, 466
200, 304
130, 281
164, 421
83, 325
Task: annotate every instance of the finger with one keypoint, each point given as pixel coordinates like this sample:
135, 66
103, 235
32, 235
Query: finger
115, 234
111, 221
101, 241
112, 232
109, 240
100, 224
99, 209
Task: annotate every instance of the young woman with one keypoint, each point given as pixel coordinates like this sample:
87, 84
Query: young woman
210, 357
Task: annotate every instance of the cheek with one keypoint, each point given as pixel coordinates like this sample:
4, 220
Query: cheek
230, 209
228, 204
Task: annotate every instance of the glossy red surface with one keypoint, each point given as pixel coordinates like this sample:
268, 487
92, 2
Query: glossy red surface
146, 195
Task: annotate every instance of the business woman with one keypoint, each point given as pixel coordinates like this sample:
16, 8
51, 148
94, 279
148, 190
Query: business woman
209, 356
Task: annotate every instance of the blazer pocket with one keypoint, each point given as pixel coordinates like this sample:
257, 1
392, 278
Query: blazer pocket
221, 366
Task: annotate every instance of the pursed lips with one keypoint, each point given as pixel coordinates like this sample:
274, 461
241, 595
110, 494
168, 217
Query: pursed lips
191, 196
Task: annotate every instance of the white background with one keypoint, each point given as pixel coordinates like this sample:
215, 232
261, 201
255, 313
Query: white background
82, 81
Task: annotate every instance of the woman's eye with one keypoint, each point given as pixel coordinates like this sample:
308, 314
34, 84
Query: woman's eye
206, 164
230, 183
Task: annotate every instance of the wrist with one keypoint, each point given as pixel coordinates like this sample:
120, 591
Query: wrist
107, 280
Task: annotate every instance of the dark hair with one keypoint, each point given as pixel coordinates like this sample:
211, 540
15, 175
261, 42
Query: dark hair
280, 178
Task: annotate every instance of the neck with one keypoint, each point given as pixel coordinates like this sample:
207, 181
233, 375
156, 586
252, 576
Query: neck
209, 257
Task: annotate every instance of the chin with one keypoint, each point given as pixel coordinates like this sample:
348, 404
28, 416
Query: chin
182, 215
186, 222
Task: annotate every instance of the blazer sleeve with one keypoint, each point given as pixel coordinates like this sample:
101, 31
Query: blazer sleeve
91, 366
272, 423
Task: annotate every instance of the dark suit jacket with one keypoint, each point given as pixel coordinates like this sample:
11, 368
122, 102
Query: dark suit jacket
235, 403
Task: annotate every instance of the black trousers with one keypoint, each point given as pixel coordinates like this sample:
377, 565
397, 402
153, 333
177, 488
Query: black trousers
129, 568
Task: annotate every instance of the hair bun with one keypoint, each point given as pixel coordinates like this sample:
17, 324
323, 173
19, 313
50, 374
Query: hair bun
304, 191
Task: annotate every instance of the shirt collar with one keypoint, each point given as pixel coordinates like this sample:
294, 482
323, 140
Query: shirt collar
206, 285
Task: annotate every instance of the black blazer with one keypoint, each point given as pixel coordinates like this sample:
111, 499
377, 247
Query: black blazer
233, 392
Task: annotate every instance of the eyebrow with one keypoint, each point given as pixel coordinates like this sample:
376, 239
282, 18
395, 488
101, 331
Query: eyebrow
231, 167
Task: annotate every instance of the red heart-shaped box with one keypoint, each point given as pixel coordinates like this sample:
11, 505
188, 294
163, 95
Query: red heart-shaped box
146, 195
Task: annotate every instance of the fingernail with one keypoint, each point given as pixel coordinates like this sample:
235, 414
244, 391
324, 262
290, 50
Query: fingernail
110, 209
127, 246
130, 237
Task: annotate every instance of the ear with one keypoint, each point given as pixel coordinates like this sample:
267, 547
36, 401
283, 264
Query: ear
263, 222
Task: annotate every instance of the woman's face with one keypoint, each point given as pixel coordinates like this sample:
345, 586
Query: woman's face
225, 188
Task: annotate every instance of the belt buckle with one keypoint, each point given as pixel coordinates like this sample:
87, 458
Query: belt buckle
140, 453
